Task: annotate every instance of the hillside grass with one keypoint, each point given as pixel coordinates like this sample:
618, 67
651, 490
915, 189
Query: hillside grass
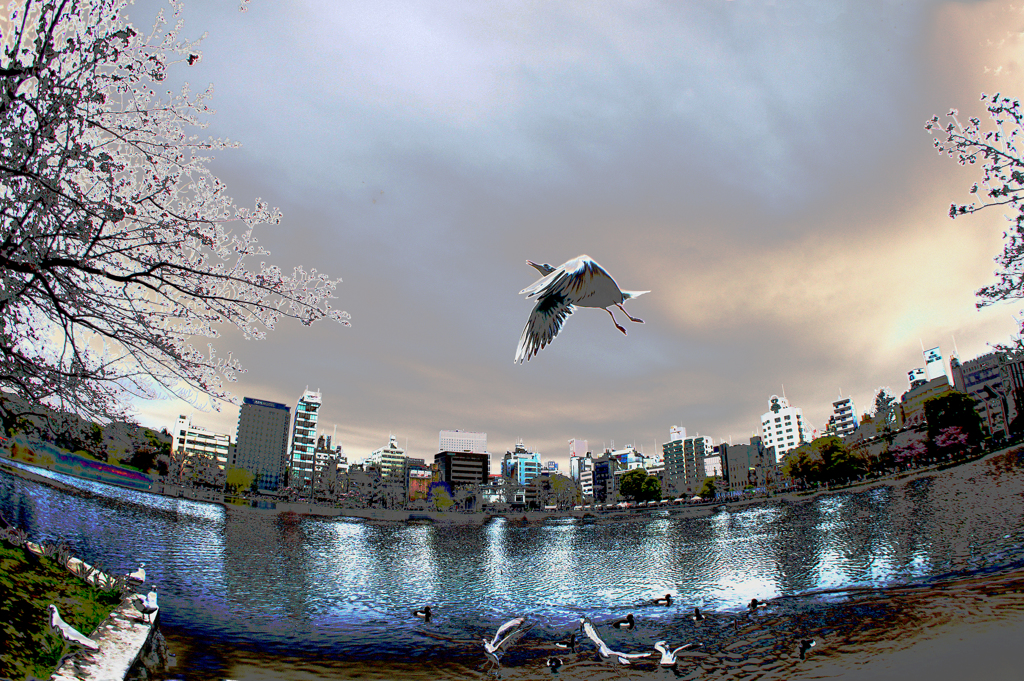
28, 584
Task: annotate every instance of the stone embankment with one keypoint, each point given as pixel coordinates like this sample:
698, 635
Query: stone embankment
130, 647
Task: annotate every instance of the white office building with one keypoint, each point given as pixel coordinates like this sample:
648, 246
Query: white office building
462, 441
844, 416
587, 483
189, 441
782, 426
302, 457
389, 460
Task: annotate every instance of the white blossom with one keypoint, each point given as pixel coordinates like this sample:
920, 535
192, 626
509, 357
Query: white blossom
119, 247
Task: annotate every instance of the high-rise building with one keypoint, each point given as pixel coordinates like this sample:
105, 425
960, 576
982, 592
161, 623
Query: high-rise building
684, 460
302, 455
933, 364
782, 426
463, 468
389, 460
577, 453
261, 442
190, 442
521, 464
587, 483
462, 441
579, 464
844, 417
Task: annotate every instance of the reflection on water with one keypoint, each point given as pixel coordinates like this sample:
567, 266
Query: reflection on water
238, 584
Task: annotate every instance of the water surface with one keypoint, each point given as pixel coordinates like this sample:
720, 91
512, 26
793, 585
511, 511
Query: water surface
245, 593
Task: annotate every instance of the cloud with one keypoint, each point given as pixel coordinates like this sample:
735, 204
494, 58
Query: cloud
760, 167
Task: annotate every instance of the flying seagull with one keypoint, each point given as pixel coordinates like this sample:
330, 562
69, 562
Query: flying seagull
507, 634
669, 658
139, 575
602, 647
580, 282
68, 632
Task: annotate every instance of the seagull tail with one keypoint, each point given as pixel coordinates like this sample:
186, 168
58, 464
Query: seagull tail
626, 295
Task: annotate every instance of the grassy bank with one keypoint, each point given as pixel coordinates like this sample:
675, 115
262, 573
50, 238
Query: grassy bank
28, 584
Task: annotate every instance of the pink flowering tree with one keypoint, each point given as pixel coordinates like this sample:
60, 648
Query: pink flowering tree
120, 251
952, 441
910, 454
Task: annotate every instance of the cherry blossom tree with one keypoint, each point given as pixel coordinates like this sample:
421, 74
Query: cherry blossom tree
952, 440
119, 248
995, 149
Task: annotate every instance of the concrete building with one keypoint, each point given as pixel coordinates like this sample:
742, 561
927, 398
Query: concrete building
684, 461
713, 466
748, 466
521, 465
628, 458
190, 442
911, 407
261, 442
587, 484
389, 460
578, 464
844, 417
603, 485
463, 468
983, 379
782, 426
462, 441
302, 456
419, 483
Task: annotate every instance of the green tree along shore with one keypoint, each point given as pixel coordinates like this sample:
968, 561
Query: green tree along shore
953, 432
639, 486
28, 584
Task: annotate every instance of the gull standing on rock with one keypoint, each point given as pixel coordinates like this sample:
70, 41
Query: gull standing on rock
139, 575
580, 282
147, 604
68, 632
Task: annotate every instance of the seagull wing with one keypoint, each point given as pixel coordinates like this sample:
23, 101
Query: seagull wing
546, 320
68, 632
591, 632
512, 637
505, 628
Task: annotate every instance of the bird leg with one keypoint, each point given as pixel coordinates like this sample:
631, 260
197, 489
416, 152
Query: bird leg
616, 322
631, 318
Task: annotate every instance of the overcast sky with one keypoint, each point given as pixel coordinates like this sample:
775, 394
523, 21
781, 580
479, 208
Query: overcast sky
761, 167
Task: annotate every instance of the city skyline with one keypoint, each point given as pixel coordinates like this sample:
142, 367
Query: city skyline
764, 171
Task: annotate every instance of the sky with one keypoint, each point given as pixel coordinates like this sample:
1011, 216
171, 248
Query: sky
760, 166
